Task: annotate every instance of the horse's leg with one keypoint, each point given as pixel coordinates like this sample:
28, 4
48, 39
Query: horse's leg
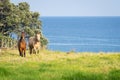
35, 50
20, 52
24, 53
38, 50
30, 50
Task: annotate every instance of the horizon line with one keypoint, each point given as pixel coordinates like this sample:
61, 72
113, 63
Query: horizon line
79, 16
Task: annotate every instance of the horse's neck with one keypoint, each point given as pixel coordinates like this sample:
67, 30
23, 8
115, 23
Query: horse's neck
21, 39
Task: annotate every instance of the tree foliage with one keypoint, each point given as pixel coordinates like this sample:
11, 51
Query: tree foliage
17, 18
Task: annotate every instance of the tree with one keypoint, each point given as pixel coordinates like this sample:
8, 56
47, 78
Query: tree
5, 9
16, 18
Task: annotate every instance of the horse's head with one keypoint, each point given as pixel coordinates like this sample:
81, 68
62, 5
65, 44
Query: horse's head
23, 35
37, 36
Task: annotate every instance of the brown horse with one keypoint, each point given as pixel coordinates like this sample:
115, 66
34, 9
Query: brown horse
22, 45
34, 43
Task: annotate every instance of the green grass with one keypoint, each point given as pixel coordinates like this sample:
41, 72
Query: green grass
51, 65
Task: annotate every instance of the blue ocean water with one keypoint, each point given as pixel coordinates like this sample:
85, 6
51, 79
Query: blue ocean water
82, 34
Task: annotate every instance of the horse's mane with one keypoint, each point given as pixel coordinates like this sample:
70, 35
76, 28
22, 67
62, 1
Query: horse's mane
21, 39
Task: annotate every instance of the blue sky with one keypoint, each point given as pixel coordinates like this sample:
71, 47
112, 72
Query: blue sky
74, 7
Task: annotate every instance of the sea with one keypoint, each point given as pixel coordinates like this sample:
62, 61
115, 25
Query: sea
82, 34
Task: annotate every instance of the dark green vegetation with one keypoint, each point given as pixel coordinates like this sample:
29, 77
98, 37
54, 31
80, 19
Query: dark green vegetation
48, 65
17, 18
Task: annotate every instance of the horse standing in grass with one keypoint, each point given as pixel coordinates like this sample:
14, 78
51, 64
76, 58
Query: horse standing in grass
22, 45
34, 43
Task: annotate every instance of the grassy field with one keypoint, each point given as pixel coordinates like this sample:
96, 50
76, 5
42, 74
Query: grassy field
49, 65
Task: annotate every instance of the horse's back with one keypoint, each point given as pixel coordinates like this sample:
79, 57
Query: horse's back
33, 43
